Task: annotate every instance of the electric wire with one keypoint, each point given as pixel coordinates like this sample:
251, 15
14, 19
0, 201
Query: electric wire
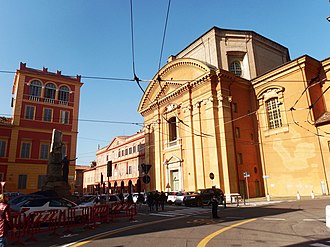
136, 78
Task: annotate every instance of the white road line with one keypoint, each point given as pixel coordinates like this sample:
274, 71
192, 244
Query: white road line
275, 219
323, 220
180, 212
319, 245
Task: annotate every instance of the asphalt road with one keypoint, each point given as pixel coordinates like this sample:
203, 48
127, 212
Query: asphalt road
290, 223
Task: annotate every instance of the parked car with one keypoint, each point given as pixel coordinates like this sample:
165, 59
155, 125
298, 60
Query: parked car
180, 197
203, 197
11, 195
171, 197
139, 197
13, 202
92, 200
44, 204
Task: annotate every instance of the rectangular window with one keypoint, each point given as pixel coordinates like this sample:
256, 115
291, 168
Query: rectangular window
2, 148
64, 118
44, 151
126, 151
41, 181
237, 132
129, 170
172, 130
130, 150
25, 150
48, 115
273, 113
234, 106
22, 181
122, 152
239, 158
134, 149
118, 153
29, 112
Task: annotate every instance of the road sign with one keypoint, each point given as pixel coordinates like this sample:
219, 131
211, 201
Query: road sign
211, 175
146, 179
168, 186
145, 168
3, 183
246, 174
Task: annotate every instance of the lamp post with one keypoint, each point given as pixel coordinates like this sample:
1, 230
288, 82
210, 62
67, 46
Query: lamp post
328, 18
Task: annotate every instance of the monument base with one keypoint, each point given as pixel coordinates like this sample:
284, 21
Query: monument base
61, 188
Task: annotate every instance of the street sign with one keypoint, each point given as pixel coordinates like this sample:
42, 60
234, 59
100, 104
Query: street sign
265, 176
211, 175
145, 168
3, 183
146, 179
246, 174
168, 186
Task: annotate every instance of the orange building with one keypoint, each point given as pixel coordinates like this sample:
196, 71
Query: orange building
42, 101
198, 114
232, 111
294, 127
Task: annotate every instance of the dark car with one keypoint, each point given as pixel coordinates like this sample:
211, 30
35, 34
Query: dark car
203, 197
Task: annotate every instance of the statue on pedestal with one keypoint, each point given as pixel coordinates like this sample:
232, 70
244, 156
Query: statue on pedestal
58, 168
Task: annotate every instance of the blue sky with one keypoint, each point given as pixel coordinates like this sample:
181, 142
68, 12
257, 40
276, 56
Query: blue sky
93, 38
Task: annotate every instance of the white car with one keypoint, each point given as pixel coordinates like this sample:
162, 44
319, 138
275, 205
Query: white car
171, 197
89, 201
46, 204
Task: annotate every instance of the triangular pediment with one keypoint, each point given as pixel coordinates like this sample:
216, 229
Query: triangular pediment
171, 78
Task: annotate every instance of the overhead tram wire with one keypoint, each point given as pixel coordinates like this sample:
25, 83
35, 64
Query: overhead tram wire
163, 42
136, 78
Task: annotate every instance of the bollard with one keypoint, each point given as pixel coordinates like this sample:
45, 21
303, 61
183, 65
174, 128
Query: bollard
298, 195
312, 195
327, 216
268, 197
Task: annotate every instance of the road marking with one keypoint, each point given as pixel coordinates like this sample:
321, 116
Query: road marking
180, 212
209, 237
319, 245
112, 232
323, 220
278, 219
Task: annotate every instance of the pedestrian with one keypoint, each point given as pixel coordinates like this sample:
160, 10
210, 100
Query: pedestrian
162, 199
5, 222
150, 201
214, 203
156, 199
130, 198
121, 197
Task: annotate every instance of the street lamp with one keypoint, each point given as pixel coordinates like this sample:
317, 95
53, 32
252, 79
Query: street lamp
328, 18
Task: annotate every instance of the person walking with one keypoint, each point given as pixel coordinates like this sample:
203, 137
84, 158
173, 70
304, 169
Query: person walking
162, 200
5, 222
214, 203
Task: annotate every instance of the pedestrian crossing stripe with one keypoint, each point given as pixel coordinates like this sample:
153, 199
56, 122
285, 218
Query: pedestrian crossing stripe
180, 212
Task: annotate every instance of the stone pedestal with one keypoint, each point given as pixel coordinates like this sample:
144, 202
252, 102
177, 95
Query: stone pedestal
54, 180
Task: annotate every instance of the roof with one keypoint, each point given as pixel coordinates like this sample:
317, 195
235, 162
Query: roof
324, 119
233, 30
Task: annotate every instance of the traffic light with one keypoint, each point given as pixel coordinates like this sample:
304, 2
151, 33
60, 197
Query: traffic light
109, 168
